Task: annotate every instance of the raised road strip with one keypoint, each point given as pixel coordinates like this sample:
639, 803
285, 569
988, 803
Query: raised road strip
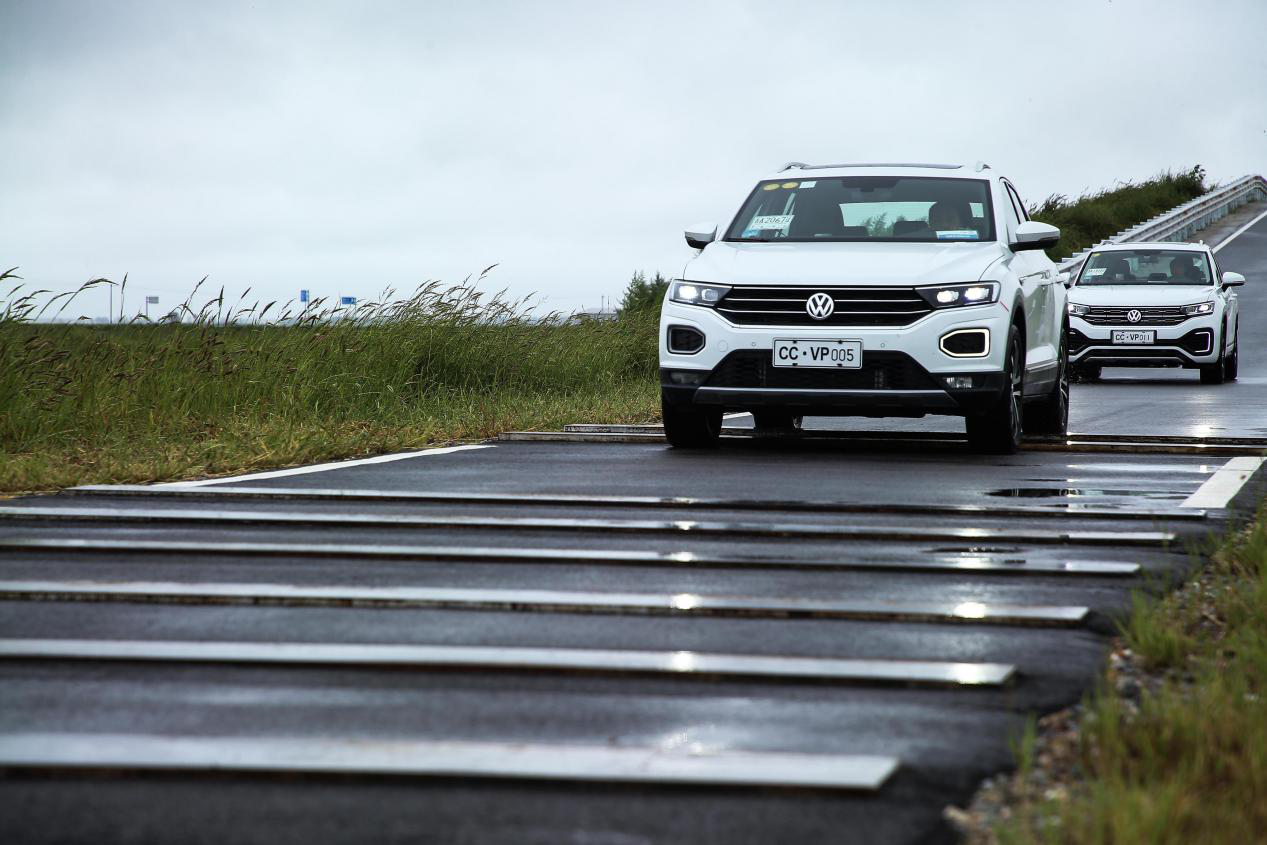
977, 563
626, 526
292, 756
509, 658
547, 601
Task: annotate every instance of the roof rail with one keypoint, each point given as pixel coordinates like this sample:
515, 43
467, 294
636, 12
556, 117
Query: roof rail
800, 165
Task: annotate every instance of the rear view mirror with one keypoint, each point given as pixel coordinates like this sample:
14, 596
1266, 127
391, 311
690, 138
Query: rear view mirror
1233, 280
701, 235
1034, 235
1065, 279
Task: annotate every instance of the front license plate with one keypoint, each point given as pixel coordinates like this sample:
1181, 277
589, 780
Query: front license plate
843, 354
1134, 337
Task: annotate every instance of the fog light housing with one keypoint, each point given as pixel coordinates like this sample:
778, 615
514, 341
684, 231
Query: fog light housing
958, 382
966, 343
685, 340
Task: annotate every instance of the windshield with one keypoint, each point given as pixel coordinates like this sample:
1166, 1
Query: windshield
867, 208
1146, 267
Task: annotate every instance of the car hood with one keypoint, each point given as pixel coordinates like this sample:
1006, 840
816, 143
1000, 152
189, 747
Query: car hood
843, 263
1135, 295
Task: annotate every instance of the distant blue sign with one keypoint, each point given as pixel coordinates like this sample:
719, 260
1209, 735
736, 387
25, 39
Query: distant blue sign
303, 296
347, 300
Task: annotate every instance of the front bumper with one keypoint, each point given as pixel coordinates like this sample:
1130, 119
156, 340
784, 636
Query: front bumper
1192, 343
904, 370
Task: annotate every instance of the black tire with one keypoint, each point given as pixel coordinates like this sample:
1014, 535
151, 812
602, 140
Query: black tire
775, 420
1233, 364
1050, 415
1216, 373
691, 427
998, 430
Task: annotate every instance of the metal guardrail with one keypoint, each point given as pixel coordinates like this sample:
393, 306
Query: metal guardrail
1183, 221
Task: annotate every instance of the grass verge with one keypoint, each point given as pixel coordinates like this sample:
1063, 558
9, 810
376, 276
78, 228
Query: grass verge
1093, 217
216, 393
1182, 756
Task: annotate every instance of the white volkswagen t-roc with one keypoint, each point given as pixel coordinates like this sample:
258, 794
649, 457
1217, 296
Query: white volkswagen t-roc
875, 290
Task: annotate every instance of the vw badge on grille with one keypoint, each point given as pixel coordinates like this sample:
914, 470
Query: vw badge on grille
1133, 316
820, 306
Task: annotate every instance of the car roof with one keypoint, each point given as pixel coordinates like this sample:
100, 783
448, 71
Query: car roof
1187, 247
800, 170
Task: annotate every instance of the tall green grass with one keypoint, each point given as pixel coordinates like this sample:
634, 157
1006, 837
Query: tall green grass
1093, 217
1188, 764
214, 390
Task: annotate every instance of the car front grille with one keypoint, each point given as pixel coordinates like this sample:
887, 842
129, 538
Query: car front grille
1149, 316
753, 368
855, 306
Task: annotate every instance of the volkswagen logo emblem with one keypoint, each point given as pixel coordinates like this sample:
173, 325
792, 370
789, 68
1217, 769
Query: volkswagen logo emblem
820, 306
1133, 316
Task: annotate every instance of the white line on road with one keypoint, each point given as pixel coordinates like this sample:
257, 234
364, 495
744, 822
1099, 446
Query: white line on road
445, 758
280, 473
1225, 483
1230, 237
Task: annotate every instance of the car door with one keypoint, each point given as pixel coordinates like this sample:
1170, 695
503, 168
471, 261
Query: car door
1231, 304
1036, 274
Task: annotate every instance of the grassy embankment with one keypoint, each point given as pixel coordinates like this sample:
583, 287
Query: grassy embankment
216, 394
1093, 217
1187, 763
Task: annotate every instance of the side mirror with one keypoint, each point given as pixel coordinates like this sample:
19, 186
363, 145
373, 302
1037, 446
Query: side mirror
1034, 235
1065, 279
701, 235
1233, 280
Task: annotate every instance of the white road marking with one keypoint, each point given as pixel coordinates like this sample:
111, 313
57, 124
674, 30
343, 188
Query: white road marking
446, 758
1232, 236
736, 415
280, 473
1225, 483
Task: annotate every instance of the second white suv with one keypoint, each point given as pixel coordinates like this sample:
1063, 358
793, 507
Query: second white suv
1155, 305
874, 290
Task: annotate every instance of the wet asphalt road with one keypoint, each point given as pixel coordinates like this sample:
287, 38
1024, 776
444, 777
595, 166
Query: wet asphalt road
922, 549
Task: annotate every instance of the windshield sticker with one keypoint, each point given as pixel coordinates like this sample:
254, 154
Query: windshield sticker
1096, 271
957, 235
790, 184
773, 186
773, 221
808, 184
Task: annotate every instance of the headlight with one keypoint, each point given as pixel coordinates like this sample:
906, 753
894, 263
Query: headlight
693, 293
1199, 308
949, 296
1077, 310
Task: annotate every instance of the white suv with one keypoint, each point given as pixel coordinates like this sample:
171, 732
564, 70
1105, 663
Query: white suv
873, 290
1154, 305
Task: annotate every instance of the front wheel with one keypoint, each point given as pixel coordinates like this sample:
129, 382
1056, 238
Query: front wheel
998, 430
1233, 363
1050, 415
1215, 373
691, 427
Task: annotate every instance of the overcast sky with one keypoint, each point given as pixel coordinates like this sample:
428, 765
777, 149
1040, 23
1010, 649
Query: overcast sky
348, 147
